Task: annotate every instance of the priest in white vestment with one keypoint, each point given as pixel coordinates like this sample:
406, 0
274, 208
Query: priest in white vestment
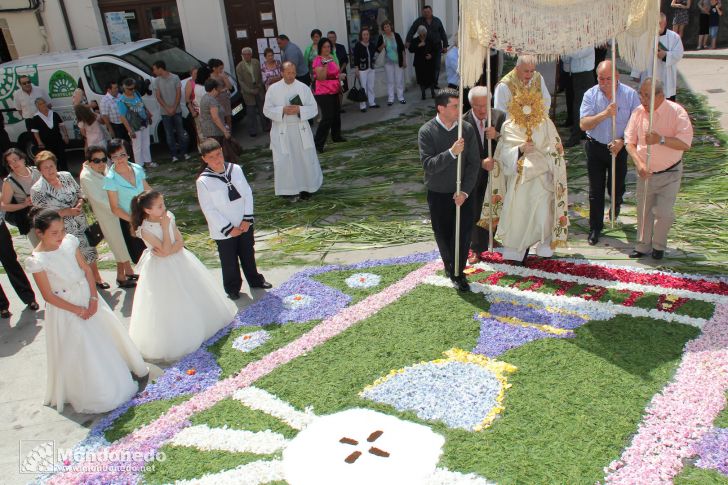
529, 199
290, 104
669, 52
523, 76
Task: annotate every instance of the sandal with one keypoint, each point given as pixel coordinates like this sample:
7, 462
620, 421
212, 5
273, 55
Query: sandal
103, 285
126, 283
132, 277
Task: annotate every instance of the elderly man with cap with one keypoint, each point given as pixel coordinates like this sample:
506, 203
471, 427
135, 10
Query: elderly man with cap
659, 182
595, 117
251, 86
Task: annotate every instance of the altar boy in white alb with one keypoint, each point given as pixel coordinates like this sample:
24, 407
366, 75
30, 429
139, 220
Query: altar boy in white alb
289, 104
227, 202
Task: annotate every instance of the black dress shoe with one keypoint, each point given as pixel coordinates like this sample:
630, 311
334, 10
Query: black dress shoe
390, 103
126, 283
658, 253
305, 195
33, 305
5, 313
340, 139
103, 285
233, 296
264, 285
374, 106
363, 110
462, 284
636, 254
593, 237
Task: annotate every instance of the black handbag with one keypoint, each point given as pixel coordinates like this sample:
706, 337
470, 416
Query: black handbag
357, 94
93, 234
19, 218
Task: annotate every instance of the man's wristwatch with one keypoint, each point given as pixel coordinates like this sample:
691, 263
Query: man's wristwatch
662, 140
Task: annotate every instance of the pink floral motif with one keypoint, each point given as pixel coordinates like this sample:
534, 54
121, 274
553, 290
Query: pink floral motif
679, 416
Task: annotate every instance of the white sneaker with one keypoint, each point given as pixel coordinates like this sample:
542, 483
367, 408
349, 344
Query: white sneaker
187, 156
175, 159
151, 164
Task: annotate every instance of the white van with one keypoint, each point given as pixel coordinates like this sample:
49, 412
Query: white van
58, 75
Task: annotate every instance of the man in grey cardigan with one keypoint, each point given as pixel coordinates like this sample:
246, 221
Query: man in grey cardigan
439, 149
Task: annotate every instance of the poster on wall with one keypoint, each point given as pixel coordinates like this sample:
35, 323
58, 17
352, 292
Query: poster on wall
118, 27
262, 45
274, 45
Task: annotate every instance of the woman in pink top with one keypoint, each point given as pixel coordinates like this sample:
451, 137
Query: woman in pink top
91, 127
327, 89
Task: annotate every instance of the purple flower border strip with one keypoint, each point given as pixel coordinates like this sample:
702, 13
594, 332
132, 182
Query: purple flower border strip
678, 417
713, 451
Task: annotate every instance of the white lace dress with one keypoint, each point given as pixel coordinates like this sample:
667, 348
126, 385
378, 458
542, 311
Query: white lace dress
89, 361
177, 303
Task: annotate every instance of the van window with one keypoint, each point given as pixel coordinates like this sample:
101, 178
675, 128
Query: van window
177, 60
101, 73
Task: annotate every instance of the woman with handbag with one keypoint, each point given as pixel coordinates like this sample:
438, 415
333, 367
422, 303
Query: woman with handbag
391, 50
136, 118
212, 121
15, 201
326, 91
363, 60
92, 180
60, 192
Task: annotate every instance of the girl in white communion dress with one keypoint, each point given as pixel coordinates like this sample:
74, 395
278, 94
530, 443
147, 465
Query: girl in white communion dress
177, 304
90, 356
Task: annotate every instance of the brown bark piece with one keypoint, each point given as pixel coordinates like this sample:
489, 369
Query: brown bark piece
378, 452
374, 436
353, 457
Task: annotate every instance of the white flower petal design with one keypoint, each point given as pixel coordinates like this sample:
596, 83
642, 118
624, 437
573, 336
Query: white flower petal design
363, 280
572, 302
261, 400
298, 300
233, 440
255, 473
362, 447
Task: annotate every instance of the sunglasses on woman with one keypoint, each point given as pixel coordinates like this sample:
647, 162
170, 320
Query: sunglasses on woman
99, 160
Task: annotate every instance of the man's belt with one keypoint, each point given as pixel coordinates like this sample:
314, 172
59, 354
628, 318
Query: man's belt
668, 169
589, 138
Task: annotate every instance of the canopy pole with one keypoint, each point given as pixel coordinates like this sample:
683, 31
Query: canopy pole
490, 152
460, 135
649, 131
613, 213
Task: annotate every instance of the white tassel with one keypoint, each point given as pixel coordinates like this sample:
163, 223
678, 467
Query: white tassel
551, 28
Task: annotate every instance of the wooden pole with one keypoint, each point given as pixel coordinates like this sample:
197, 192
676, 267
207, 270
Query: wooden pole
649, 131
490, 154
613, 212
460, 135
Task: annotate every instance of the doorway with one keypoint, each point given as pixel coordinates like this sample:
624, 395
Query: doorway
251, 23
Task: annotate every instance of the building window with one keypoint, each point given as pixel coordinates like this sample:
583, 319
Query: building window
128, 21
367, 13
